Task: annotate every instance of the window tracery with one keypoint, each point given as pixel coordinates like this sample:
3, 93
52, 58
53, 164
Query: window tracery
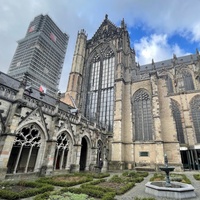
169, 84
195, 112
61, 153
187, 80
143, 121
101, 89
25, 149
177, 117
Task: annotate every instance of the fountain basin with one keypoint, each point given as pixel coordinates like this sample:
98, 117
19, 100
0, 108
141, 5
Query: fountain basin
176, 191
167, 169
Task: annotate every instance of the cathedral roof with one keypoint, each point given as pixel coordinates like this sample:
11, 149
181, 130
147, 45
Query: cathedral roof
169, 63
106, 29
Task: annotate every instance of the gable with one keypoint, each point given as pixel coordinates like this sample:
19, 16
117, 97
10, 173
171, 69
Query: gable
106, 30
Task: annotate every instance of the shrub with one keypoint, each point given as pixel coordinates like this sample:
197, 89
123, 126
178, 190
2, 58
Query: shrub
124, 189
109, 196
42, 196
157, 177
197, 176
70, 196
96, 187
33, 188
89, 191
173, 176
116, 179
52, 180
144, 198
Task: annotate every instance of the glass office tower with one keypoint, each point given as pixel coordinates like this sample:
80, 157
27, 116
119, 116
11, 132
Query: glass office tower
41, 53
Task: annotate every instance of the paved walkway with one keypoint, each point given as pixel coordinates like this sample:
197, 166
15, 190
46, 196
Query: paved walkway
139, 189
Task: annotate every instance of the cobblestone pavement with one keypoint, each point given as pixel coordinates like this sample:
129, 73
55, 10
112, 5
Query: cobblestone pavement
139, 189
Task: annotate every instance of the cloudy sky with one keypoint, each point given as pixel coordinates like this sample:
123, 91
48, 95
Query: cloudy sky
158, 28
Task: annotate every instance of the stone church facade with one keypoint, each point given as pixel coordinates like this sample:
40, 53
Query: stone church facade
41, 136
149, 110
128, 115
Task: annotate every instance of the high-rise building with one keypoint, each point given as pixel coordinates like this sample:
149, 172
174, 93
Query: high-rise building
41, 54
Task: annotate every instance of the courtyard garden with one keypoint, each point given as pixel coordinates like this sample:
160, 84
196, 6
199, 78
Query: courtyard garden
83, 186
76, 186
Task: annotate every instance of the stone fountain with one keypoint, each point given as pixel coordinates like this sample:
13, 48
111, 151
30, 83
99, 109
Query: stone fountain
168, 189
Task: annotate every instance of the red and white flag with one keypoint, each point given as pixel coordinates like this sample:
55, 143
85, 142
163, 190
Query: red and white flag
42, 89
53, 37
31, 29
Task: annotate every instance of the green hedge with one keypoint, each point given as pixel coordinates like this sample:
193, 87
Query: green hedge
144, 198
197, 176
36, 188
92, 192
51, 181
173, 176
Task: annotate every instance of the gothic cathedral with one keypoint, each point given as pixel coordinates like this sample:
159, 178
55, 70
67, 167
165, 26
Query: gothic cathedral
114, 110
148, 111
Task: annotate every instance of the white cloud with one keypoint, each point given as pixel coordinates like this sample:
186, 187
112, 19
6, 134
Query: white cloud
169, 18
156, 47
196, 32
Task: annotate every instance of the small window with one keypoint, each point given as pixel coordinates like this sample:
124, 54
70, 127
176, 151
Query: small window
144, 153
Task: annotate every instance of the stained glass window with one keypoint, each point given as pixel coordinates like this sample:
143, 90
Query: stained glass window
187, 80
177, 118
101, 89
169, 84
195, 111
142, 110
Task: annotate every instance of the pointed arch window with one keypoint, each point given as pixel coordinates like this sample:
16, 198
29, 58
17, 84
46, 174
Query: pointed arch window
100, 94
169, 84
25, 150
61, 153
195, 111
142, 116
187, 80
177, 117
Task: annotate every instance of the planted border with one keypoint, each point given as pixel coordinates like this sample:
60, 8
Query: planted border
65, 183
36, 188
173, 176
197, 176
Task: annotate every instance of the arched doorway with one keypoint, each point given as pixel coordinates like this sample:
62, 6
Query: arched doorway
83, 158
25, 150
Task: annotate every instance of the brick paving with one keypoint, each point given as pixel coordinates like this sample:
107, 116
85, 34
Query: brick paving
139, 189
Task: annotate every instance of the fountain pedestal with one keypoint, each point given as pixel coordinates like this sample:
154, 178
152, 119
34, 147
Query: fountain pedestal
173, 190
167, 169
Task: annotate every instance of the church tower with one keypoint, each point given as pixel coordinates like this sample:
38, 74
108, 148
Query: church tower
72, 95
100, 82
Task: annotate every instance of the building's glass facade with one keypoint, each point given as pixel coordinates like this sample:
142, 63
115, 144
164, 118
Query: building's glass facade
41, 53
